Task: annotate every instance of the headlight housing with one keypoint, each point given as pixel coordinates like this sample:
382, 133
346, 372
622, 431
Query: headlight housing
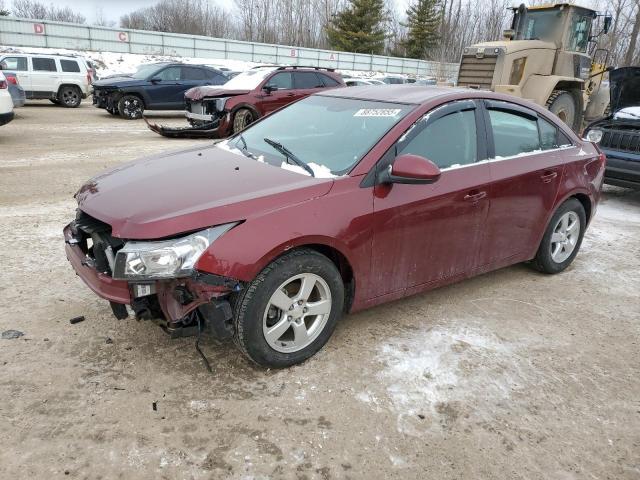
155, 260
220, 102
594, 135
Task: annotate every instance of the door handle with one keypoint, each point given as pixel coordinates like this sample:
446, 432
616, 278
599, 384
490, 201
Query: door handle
475, 196
547, 177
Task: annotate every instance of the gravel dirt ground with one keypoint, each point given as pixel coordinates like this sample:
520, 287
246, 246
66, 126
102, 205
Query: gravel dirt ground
511, 375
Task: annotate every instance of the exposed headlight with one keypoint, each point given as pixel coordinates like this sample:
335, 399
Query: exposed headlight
141, 260
220, 102
594, 135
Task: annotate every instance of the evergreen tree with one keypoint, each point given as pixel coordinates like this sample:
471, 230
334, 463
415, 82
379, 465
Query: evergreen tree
423, 23
359, 27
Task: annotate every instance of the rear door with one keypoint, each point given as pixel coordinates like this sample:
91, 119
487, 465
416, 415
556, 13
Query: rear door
44, 76
306, 83
19, 65
424, 234
526, 170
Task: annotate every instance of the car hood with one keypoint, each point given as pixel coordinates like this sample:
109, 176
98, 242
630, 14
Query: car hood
178, 192
624, 85
117, 82
198, 93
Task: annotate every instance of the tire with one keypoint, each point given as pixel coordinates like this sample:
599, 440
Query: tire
69, 96
112, 111
255, 314
242, 119
555, 256
566, 106
131, 107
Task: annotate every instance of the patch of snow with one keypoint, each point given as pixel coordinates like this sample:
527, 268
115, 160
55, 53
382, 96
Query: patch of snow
319, 171
628, 113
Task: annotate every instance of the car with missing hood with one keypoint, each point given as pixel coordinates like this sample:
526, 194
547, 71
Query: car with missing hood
618, 134
217, 112
154, 86
346, 199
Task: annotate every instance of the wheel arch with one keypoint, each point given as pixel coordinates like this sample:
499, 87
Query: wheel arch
247, 106
135, 93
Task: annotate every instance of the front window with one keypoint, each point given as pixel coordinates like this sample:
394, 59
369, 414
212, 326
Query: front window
248, 80
539, 25
330, 134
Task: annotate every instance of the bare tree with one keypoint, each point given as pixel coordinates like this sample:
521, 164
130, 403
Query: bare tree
37, 10
101, 20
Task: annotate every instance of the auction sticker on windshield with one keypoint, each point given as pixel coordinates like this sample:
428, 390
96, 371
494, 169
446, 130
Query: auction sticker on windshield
377, 112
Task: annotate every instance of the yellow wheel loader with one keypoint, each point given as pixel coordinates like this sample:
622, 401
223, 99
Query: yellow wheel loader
548, 56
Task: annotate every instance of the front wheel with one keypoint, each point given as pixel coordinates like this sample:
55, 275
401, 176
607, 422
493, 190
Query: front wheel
131, 107
69, 96
242, 119
290, 310
562, 239
566, 106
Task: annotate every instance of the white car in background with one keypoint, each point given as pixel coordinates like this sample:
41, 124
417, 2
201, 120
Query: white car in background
63, 80
6, 102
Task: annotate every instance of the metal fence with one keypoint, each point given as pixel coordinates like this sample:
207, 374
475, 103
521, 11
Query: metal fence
21, 32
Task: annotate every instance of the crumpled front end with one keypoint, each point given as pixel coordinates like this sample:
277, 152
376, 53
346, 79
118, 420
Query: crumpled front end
181, 306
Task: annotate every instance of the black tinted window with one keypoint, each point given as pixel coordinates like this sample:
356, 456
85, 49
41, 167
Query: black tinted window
15, 63
69, 66
170, 74
328, 81
307, 80
191, 73
281, 81
548, 135
44, 64
218, 78
447, 141
513, 133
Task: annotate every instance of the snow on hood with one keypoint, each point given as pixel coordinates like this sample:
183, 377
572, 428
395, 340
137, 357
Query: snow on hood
629, 113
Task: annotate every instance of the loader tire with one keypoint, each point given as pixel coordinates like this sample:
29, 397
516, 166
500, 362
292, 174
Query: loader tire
566, 106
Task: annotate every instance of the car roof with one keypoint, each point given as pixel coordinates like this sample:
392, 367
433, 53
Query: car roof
414, 95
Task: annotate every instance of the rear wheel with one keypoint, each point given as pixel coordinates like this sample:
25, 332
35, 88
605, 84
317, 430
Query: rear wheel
131, 107
290, 310
69, 96
566, 106
562, 239
242, 119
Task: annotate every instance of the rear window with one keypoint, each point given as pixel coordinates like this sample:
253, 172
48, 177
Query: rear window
513, 134
307, 80
14, 63
192, 73
69, 66
44, 64
328, 81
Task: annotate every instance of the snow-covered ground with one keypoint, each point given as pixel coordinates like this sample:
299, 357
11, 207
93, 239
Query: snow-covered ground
111, 63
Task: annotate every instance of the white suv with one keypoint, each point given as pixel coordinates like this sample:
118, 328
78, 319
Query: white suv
6, 103
63, 80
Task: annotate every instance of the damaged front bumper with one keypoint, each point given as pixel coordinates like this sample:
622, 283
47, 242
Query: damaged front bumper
181, 306
205, 120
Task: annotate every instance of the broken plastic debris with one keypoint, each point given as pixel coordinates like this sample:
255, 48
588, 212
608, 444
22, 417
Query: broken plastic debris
9, 334
75, 320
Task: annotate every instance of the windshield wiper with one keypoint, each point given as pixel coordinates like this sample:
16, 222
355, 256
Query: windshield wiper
289, 154
244, 149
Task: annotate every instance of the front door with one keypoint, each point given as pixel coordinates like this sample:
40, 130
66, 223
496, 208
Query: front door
165, 90
427, 233
281, 92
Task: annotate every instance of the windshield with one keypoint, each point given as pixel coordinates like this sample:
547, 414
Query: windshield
329, 134
144, 71
248, 80
539, 25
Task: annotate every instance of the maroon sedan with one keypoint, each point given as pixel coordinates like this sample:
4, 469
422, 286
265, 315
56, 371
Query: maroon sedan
341, 201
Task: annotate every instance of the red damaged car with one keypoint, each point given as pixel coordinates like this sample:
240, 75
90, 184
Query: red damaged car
341, 201
219, 111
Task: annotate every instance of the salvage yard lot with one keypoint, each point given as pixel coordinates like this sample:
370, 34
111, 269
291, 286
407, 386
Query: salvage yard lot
512, 374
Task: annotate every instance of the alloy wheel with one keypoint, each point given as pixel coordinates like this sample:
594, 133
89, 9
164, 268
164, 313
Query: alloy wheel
70, 96
296, 313
132, 107
565, 237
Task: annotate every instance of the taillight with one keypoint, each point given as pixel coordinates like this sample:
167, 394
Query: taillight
89, 78
3, 85
13, 80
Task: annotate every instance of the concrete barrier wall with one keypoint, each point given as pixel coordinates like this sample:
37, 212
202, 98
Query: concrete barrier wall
36, 33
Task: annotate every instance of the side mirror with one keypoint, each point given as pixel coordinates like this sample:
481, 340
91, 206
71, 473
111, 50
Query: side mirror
269, 88
410, 169
607, 24
155, 80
